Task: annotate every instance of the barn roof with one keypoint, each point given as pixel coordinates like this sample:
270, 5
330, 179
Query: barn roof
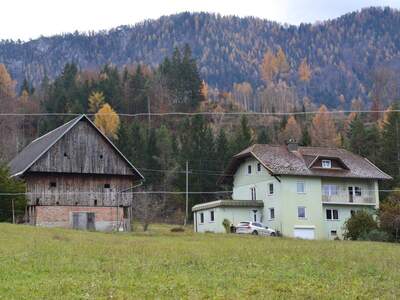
278, 160
31, 153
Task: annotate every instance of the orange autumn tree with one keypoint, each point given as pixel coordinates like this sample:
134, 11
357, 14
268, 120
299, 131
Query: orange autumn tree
269, 67
323, 131
107, 120
292, 130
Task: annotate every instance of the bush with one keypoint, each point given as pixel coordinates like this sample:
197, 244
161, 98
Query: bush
177, 229
389, 216
375, 235
361, 222
227, 225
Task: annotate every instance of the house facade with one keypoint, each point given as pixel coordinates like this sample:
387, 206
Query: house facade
76, 178
305, 192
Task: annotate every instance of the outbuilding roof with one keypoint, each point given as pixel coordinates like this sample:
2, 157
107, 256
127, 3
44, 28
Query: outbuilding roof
31, 153
278, 160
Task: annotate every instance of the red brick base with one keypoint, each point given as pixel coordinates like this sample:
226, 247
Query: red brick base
61, 216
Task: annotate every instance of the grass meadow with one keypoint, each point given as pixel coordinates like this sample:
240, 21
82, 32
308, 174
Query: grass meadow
40, 263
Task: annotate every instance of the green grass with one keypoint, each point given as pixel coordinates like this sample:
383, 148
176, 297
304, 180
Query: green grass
38, 263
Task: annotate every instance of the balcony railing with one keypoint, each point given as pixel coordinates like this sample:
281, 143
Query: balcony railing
346, 198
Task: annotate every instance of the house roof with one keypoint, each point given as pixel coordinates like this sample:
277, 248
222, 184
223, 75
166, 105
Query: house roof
278, 160
31, 153
228, 203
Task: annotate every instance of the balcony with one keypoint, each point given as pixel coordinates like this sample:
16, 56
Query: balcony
366, 198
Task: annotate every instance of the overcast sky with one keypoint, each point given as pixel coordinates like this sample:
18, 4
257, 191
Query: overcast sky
26, 19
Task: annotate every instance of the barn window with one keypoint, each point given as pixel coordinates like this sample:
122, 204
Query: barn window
57, 203
76, 203
37, 201
101, 156
106, 185
53, 184
95, 202
65, 154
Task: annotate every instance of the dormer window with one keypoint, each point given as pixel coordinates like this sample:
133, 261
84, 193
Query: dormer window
326, 163
249, 169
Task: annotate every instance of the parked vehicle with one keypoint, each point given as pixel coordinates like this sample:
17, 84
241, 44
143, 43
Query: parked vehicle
254, 228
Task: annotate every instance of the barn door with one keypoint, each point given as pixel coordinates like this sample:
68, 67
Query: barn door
91, 221
83, 220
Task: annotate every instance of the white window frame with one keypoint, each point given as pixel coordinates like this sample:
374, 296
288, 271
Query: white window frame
253, 192
271, 209
201, 216
305, 213
249, 170
269, 189
212, 216
297, 187
259, 167
330, 189
332, 218
326, 163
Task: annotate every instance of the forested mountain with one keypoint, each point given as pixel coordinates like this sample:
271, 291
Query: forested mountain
343, 53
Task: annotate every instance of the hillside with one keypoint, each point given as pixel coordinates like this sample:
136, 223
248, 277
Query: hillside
342, 52
39, 263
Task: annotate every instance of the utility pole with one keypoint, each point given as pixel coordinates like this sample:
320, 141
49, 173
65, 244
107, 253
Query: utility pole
187, 193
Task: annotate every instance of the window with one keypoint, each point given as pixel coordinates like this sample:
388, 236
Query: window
330, 189
201, 218
259, 167
301, 212
253, 193
333, 233
101, 156
212, 216
53, 184
272, 213
106, 185
249, 169
65, 154
357, 191
95, 202
301, 187
270, 189
255, 215
332, 214
326, 163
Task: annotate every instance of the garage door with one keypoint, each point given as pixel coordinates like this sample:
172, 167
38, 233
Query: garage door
304, 233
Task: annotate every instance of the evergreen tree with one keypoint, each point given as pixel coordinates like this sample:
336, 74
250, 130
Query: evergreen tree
263, 137
152, 158
222, 150
358, 137
243, 137
305, 138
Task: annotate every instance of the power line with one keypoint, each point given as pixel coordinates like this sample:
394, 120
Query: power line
108, 193
250, 113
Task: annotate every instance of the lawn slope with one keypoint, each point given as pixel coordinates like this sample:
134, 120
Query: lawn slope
38, 263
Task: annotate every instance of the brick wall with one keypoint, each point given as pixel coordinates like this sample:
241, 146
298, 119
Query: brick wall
61, 216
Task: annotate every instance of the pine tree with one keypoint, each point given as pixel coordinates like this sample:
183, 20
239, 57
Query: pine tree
263, 137
358, 137
243, 137
152, 160
305, 138
222, 150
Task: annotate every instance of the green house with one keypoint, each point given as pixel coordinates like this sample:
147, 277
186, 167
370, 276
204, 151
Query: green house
303, 192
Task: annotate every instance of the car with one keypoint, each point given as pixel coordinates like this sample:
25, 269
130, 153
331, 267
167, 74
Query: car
254, 228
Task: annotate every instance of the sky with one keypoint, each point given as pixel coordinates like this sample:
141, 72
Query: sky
29, 19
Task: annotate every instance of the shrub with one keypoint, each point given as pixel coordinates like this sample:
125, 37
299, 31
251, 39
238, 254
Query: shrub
389, 216
361, 222
227, 225
375, 235
177, 229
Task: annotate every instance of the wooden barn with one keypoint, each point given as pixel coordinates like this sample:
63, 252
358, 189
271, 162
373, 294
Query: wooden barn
76, 178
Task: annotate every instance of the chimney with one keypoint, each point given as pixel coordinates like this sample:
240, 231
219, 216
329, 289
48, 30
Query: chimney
292, 145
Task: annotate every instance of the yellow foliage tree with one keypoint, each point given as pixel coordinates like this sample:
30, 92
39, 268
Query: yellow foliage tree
96, 101
281, 62
292, 129
304, 71
323, 130
268, 67
7, 85
107, 120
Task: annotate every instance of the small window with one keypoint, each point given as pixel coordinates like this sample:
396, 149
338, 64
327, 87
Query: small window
106, 185
301, 187
57, 203
37, 201
53, 184
259, 167
332, 214
95, 202
201, 218
326, 163
333, 233
270, 189
101, 156
212, 216
357, 191
253, 193
255, 215
249, 169
301, 212
76, 203
65, 154
272, 213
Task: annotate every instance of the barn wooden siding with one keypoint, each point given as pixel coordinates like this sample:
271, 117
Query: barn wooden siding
82, 150
77, 189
